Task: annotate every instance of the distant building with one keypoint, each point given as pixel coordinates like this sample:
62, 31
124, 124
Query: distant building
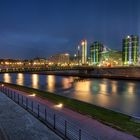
38, 62
138, 59
59, 59
111, 58
84, 51
78, 55
130, 50
95, 53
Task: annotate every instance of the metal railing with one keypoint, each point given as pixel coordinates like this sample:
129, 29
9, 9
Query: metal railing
66, 129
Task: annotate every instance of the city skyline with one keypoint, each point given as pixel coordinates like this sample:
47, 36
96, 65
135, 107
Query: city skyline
42, 28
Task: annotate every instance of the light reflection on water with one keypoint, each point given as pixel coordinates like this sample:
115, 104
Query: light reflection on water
114, 86
131, 88
20, 79
7, 78
35, 81
50, 80
120, 95
82, 90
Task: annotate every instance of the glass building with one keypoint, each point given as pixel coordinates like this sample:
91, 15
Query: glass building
95, 53
130, 50
84, 51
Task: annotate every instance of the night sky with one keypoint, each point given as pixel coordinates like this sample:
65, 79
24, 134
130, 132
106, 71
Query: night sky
40, 28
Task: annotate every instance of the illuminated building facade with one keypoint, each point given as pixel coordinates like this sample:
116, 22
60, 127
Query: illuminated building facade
78, 55
130, 50
84, 51
111, 58
95, 53
59, 59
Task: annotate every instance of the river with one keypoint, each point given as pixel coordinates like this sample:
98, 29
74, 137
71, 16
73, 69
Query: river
118, 95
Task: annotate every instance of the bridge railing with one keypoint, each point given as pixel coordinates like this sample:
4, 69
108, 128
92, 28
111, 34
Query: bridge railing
52, 119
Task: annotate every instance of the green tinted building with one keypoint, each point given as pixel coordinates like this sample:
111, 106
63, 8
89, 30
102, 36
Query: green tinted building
95, 53
130, 50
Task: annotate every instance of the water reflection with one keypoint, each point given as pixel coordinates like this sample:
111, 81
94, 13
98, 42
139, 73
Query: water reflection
122, 95
7, 78
35, 80
66, 82
82, 90
114, 85
131, 88
103, 99
51, 83
103, 88
20, 79
83, 86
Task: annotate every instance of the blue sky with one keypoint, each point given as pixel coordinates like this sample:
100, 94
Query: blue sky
40, 28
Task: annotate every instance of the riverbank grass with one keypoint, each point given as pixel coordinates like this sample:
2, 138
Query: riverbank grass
108, 117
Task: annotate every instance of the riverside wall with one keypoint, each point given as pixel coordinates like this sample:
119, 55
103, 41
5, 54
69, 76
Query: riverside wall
117, 73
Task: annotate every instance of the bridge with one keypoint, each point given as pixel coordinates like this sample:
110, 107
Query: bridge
82, 71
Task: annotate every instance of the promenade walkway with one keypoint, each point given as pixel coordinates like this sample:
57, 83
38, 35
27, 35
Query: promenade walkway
90, 125
93, 127
18, 124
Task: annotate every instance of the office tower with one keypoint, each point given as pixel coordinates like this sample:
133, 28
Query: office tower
130, 50
78, 55
84, 51
95, 52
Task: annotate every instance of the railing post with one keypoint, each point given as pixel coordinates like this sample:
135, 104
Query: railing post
7, 90
54, 117
45, 114
22, 100
11, 94
14, 96
65, 128
79, 134
18, 98
4, 89
32, 106
26, 103
8, 93
38, 111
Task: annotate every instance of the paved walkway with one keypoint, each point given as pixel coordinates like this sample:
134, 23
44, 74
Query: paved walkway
85, 123
17, 124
